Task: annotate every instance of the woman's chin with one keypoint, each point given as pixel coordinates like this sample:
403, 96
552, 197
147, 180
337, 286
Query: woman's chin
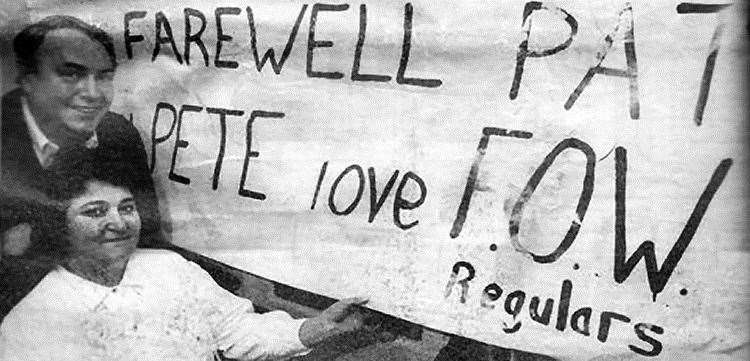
118, 250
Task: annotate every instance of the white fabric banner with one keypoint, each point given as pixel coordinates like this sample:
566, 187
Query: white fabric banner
563, 178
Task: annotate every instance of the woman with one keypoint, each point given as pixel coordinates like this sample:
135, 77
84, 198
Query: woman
108, 300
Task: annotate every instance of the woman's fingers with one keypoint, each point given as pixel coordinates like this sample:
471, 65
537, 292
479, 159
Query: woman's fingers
359, 301
343, 317
352, 323
343, 308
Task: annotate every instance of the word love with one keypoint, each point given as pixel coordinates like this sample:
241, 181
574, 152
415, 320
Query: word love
623, 265
376, 201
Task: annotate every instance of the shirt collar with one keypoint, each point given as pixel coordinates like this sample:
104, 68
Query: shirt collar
44, 148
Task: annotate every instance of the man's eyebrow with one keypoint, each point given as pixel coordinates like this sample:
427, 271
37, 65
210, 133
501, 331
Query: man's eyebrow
74, 66
84, 68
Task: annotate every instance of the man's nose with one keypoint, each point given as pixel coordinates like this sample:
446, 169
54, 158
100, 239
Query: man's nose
90, 87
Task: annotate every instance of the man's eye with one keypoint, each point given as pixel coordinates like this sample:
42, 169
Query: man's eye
95, 212
106, 76
70, 74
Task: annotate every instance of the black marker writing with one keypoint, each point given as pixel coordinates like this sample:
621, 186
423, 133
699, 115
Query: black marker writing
583, 201
471, 180
162, 22
657, 277
523, 47
269, 54
312, 43
250, 153
624, 25
180, 143
156, 140
713, 52
464, 282
195, 38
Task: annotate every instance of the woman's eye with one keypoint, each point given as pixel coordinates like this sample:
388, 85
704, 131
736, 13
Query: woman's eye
95, 212
127, 209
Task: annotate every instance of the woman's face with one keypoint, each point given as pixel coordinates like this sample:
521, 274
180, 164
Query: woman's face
103, 223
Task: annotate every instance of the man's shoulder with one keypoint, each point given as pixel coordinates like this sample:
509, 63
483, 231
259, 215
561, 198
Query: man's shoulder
13, 96
17, 151
11, 109
114, 128
20, 276
113, 120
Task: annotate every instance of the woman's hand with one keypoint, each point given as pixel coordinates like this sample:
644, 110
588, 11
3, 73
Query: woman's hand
342, 317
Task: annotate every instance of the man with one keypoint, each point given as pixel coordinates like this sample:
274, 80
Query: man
66, 69
65, 76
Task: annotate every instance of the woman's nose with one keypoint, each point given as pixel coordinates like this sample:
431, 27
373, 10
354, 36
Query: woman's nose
115, 222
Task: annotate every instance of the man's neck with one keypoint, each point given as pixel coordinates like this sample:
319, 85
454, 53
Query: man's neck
58, 133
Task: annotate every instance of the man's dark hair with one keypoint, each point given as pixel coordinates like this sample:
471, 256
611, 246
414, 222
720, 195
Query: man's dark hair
28, 41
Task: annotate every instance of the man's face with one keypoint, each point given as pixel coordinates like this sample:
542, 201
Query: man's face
71, 89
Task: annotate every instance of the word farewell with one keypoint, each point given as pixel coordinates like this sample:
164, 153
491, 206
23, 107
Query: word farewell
164, 36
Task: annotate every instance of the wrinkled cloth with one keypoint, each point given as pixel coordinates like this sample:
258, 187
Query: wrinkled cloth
165, 308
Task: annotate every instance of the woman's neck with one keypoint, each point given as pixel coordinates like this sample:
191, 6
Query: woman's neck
106, 273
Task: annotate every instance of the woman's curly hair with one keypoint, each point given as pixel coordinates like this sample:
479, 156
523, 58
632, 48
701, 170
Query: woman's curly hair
69, 176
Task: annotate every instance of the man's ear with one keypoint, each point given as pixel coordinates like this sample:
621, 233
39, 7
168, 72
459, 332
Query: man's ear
23, 79
16, 240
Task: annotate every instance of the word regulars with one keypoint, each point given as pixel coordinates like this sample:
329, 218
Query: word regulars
579, 320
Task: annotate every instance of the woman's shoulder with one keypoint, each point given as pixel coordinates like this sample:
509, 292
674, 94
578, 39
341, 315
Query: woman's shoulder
152, 257
165, 263
168, 270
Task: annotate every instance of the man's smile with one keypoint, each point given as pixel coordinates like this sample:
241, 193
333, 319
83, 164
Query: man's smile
85, 109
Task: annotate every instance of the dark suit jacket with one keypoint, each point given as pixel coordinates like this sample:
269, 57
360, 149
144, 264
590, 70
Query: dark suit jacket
22, 177
22, 199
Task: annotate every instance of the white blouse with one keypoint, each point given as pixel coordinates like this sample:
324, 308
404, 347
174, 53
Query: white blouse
165, 308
